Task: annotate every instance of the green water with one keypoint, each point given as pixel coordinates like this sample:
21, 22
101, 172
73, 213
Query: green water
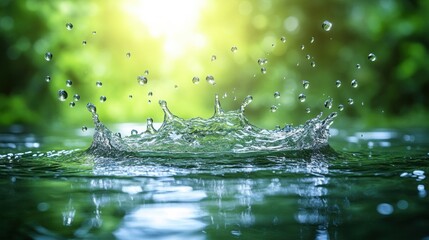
366, 185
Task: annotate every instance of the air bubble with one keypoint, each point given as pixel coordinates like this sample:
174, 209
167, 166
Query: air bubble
69, 26
372, 57
142, 80
62, 95
76, 97
338, 83
210, 79
99, 84
195, 80
326, 25
302, 97
234, 49
69, 83
354, 83
103, 98
276, 95
48, 78
305, 84
48, 56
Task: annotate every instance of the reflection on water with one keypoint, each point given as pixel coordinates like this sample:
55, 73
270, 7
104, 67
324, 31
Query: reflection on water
350, 194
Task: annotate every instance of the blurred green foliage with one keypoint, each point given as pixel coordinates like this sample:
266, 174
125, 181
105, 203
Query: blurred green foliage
176, 40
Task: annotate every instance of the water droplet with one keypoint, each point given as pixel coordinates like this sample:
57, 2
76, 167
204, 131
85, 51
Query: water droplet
84, 128
103, 98
210, 79
341, 107
313, 64
302, 47
94, 32
385, 209
150, 94
195, 80
234, 49
354, 83
213, 58
69, 83
72, 104
62, 95
134, 132
142, 80
69, 26
146, 72
338, 83
305, 84
84, 42
326, 25
91, 108
247, 100
76, 97
48, 56
130, 96
302, 97
350, 101
48, 78
308, 56
308, 110
263, 70
99, 84
273, 108
128, 54
312, 40
276, 95
372, 57
262, 61
328, 103
283, 39
358, 66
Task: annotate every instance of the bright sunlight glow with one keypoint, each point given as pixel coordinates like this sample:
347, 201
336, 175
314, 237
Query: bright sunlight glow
171, 20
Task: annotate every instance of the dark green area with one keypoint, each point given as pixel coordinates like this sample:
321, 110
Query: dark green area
392, 90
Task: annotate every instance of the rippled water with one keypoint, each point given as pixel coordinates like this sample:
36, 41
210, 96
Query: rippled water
364, 185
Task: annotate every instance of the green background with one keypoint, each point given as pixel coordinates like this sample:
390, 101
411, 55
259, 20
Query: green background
392, 91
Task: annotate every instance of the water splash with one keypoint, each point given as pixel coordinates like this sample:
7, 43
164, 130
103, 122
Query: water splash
224, 133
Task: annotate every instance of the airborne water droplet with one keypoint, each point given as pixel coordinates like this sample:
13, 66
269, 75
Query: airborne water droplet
372, 57
72, 104
358, 66
91, 108
195, 80
150, 94
69, 83
305, 84
76, 97
350, 101
69, 26
276, 95
84, 42
99, 84
234, 49
62, 95
354, 83
84, 128
48, 78
142, 80
283, 39
326, 25
146, 72
48, 56
247, 101
302, 97
128, 54
134, 132
338, 83
103, 98
312, 40
328, 103
263, 70
130, 96
213, 58
262, 61
210, 79
308, 110
313, 64
341, 107
273, 108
